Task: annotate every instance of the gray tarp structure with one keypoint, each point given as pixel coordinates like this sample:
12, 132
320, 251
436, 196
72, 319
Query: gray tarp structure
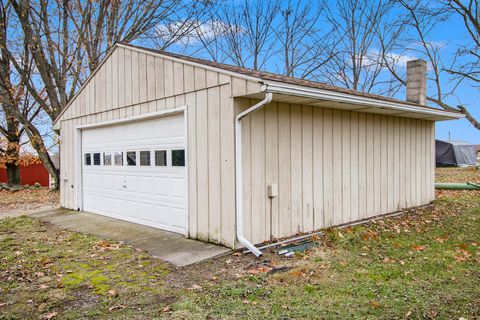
454, 153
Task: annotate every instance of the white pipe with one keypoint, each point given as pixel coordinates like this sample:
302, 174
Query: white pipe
238, 172
275, 244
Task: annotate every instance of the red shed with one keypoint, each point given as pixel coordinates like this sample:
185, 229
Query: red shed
29, 174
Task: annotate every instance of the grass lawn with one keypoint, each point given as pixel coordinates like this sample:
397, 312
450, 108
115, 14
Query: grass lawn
424, 264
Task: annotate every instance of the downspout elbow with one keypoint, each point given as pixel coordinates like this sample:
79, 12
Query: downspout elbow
238, 173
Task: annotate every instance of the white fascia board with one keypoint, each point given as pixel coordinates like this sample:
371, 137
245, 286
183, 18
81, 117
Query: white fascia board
330, 95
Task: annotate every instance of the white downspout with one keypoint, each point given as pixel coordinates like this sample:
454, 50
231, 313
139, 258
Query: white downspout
238, 172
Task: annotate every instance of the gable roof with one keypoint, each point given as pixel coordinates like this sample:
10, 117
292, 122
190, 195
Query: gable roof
263, 76
268, 76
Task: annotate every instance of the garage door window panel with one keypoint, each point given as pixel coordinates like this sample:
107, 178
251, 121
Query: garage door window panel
131, 158
145, 158
160, 158
118, 158
178, 158
107, 159
88, 159
96, 159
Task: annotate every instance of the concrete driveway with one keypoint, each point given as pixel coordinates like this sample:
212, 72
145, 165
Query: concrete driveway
168, 246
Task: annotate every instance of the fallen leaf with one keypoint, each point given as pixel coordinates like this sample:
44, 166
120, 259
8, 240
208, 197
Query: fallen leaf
113, 293
462, 255
117, 307
50, 315
166, 309
374, 304
369, 235
297, 273
442, 239
195, 287
258, 270
418, 247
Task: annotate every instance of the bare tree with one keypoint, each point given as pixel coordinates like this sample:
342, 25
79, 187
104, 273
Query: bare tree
357, 64
420, 20
13, 94
209, 38
240, 33
100, 24
466, 63
305, 44
47, 59
61, 41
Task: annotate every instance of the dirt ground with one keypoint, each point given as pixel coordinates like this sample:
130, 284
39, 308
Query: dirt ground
27, 201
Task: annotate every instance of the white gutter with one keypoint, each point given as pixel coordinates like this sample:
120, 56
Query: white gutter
238, 172
330, 95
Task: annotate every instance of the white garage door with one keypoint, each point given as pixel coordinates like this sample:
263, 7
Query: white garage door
136, 172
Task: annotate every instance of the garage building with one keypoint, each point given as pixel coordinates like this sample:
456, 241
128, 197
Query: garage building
237, 157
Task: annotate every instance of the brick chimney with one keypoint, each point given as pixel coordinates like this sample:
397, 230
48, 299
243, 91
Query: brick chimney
417, 81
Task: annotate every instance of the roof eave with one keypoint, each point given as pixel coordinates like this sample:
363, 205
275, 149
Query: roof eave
341, 97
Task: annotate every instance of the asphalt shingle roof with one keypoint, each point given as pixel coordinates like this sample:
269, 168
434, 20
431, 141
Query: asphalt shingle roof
268, 76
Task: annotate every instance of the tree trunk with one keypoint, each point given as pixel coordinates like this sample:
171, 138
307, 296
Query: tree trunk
13, 173
37, 143
12, 153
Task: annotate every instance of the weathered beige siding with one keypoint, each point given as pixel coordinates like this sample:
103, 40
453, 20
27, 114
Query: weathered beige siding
331, 167
133, 83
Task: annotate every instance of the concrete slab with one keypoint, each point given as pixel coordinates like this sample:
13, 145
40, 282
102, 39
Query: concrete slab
168, 246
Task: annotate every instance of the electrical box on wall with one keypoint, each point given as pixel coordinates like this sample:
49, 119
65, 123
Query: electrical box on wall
272, 190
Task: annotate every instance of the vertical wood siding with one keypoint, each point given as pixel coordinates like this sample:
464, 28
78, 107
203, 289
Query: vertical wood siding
132, 83
331, 167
